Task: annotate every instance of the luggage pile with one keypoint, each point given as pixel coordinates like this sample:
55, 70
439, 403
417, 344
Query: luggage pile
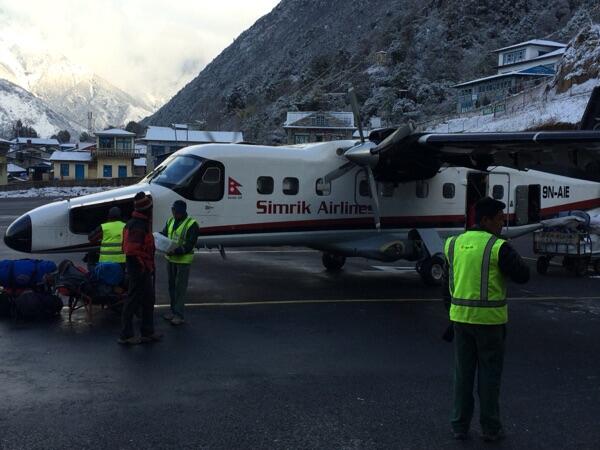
103, 286
25, 291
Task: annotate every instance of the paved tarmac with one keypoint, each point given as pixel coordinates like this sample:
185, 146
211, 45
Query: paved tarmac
286, 356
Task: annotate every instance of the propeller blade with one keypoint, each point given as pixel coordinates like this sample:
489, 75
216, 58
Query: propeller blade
401, 133
356, 111
340, 171
374, 198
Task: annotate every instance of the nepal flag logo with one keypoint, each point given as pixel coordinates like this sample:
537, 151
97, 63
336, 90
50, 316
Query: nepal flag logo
234, 188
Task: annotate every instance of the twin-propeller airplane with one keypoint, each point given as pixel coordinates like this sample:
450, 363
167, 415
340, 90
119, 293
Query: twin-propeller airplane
389, 197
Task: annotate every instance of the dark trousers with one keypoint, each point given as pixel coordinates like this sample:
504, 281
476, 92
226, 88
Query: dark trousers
140, 297
478, 348
179, 275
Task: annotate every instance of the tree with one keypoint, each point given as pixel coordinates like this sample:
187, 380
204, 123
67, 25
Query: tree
20, 130
85, 137
134, 127
63, 136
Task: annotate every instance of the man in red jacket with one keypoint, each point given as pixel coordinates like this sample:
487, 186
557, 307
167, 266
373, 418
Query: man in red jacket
138, 246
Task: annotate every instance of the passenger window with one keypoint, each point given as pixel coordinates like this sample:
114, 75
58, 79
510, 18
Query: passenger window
422, 189
364, 189
264, 185
291, 186
211, 186
323, 188
498, 192
448, 190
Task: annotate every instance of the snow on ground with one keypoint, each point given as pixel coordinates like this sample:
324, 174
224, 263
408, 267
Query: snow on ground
567, 107
53, 192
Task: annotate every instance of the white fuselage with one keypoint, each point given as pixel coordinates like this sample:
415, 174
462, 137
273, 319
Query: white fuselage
302, 211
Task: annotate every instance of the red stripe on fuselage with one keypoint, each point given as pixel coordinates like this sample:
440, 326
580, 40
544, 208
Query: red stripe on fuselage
455, 220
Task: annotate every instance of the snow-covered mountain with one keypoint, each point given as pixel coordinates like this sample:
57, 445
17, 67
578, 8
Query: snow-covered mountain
18, 104
69, 88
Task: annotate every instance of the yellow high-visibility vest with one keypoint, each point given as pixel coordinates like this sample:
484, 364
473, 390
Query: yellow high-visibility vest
477, 286
178, 235
111, 248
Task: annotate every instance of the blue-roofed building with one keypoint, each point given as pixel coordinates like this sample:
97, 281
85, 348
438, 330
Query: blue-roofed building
519, 66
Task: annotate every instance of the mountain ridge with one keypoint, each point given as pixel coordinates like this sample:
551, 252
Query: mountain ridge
298, 58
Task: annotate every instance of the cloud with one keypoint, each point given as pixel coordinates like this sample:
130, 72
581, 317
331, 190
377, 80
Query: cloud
147, 47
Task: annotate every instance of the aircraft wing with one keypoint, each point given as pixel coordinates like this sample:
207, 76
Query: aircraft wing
420, 155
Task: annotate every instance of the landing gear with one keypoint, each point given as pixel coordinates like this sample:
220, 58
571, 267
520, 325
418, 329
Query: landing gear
542, 264
332, 262
431, 270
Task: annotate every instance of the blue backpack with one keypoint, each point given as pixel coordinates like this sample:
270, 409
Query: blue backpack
108, 273
24, 273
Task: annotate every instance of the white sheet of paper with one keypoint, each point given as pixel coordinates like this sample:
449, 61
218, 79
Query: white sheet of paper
164, 244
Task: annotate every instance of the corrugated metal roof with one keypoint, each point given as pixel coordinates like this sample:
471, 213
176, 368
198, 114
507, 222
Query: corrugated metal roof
501, 75
71, 156
12, 168
541, 42
114, 132
35, 141
344, 116
166, 134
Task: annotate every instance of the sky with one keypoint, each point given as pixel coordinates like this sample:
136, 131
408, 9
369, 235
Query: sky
146, 47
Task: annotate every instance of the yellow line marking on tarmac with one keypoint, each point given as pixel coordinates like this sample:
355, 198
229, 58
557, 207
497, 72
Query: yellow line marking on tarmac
367, 300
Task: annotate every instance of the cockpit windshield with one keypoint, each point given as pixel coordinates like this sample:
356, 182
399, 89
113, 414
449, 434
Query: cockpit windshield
191, 177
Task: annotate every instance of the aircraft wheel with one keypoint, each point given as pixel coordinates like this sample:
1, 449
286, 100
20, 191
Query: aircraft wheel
580, 266
333, 262
432, 270
542, 265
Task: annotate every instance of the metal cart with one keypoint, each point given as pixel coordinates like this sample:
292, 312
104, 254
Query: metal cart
578, 249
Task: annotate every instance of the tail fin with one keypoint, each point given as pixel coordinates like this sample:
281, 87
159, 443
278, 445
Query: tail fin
591, 117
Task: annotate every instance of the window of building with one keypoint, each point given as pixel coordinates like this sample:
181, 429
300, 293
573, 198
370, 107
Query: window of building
291, 186
513, 57
157, 149
364, 189
264, 185
124, 143
122, 171
64, 170
301, 138
422, 188
320, 120
107, 171
448, 190
498, 192
106, 142
323, 188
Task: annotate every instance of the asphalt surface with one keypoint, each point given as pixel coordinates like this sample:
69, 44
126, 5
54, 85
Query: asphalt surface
278, 354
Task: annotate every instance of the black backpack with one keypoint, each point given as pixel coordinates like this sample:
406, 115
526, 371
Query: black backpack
36, 306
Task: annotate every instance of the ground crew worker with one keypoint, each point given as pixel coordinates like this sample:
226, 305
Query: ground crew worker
184, 231
478, 262
138, 245
109, 236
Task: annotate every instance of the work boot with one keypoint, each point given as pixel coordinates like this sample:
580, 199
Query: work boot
168, 316
493, 437
460, 435
176, 320
133, 340
154, 337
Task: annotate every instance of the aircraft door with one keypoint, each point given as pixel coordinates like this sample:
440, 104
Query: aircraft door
527, 204
477, 183
499, 189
